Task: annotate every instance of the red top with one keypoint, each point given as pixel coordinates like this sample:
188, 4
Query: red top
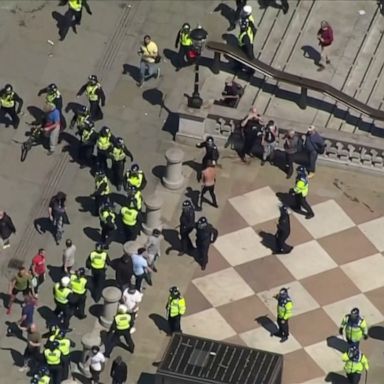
38, 263
327, 35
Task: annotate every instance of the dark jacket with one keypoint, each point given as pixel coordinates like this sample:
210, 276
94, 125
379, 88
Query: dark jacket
313, 142
18, 100
99, 92
284, 224
206, 234
187, 219
119, 372
6, 227
211, 151
124, 270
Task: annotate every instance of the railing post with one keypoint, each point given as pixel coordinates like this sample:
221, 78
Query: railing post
303, 98
216, 63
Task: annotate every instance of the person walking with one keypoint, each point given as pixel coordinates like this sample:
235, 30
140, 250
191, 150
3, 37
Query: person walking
245, 39
292, 145
283, 232
175, 309
58, 215
355, 328
80, 116
140, 268
65, 346
8, 101
6, 229
107, 223
149, 60
53, 359
27, 312
121, 326
211, 152
355, 364
103, 145
206, 234
119, 371
186, 226
21, 282
79, 289
314, 145
132, 298
269, 141
123, 271
102, 191
63, 297
284, 313
185, 45
96, 364
53, 95
130, 217
325, 38
42, 377
96, 95
152, 247
300, 192
135, 177
39, 269
88, 139
208, 180
52, 126
31, 356
97, 261
73, 16
69, 256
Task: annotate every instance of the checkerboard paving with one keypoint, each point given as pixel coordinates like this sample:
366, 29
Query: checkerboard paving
337, 264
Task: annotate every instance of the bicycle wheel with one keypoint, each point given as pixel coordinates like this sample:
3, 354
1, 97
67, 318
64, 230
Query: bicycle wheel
25, 148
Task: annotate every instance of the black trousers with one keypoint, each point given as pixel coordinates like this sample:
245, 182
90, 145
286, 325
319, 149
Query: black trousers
185, 240
95, 111
114, 338
106, 235
283, 328
301, 202
85, 154
11, 112
182, 55
102, 157
211, 190
65, 361
98, 282
56, 372
281, 245
312, 158
79, 305
99, 201
174, 323
202, 253
118, 173
289, 163
131, 232
40, 280
71, 19
138, 281
64, 313
32, 356
354, 378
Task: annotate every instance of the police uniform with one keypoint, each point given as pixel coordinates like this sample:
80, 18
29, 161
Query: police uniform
185, 43
206, 234
104, 145
65, 349
135, 179
88, 138
8, 102
79, 289
97, 261
283, 232
73, 15
245, 39
355, 364
131, 221
62, 296
95, 96
118, 154
284, 313
53, 359
107, 224
44, 379
102, 191
301, 192
176, 308
187, 225
355, 328
211, 152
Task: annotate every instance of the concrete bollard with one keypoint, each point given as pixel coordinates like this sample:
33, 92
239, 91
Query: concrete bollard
88, 340
152, 214
111, 296
174, 178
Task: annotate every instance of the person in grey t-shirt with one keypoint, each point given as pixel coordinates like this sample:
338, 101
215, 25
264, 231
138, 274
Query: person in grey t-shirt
153, 248
69, 256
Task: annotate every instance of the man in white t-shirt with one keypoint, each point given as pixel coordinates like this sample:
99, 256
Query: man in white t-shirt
131, 298
96, 364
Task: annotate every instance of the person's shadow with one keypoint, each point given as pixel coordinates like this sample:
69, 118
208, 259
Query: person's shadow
132, 71
193, 195
61, 23
87, 204
14, 330
336, 378
172, 56
48, 315
226, 11
268, 240
267, 324
37, 114
55, 273
337, 343
17, 357
171, 236
92, 233
43, 225
311, 53
160, 322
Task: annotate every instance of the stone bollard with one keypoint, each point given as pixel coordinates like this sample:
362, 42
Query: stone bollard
88, 341
174, 178
111, 296
152, 214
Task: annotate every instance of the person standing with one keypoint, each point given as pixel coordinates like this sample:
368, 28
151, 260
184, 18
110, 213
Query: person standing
107, 223
96, 364
130, 217
240, 4
135, 177
245, 39
246, 15
325, 37
132, 298
6, 229
123, 270
97, 261
206, 234
119, 371
140, 268
175, 309
355, 328
208, 180
292, 145
355, 364
183, 39
65, 345
27, 313
88, 139
39, 269
96, 95
211, 152
31, 355
73, 15
149, 61
63, 297
284, 313
58, 215
269, 141
21, 282
283, 232
53, 95
314, 145
8, 100
152, 247
52, 126
53, 359
104, 145
81, 115
79, 289
102, 191
187, 225
300, 192
69, 254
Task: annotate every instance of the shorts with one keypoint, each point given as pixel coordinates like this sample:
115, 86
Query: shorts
25, 292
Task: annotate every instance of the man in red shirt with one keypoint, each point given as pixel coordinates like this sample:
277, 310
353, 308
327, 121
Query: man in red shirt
325, 37
38, 268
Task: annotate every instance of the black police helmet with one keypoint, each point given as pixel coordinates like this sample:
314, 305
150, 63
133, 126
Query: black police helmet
135, 167
89, 124
300, 169
99, 247
83, 109
186, 27
92, 78
283, 292
187, 203
209, 140
104, 131
202, 220
355, 311
52, 87
353, 351
8, 88
119, 142
81, 271
53, 345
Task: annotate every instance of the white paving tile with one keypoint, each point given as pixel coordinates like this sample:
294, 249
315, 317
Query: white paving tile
302, 300
318, 380
327, 358
329, 218
223, 287
241, 246
257, 206
337, 310
307, 259
209, 324
366, 273
374, 230
260, 338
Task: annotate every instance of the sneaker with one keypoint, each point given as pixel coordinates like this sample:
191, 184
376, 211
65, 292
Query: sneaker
284, 339
328, 61
6, 245
157, 75
23, 369
309, 216
310, 175
140, 83
321, 68
132, 330
49, 153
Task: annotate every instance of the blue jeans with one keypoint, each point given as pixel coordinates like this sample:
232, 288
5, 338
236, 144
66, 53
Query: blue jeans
147, 70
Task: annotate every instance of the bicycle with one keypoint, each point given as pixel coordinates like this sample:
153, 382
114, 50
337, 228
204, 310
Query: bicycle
33, 140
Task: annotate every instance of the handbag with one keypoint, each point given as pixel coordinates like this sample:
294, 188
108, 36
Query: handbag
157, 59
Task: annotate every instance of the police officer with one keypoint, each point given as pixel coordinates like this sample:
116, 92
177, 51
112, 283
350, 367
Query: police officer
211, 151
107, 224
184, 39
52, 95
175, 309
53, 359
355, 328
63, 298
355, 364
206, 234
239, 7
8, 100
65, 347
245, 39
136, 177
135, 198
79, 289
121, 326
97, 261
284, 313
130, 217
118, 152
88, 138
95, 95
102, 191
246, 15
283, 231
73, 15
80, 117
104, 145
300, 192
42, 377
187, 225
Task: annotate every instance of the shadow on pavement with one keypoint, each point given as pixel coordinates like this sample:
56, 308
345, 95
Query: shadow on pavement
172, 56
81, 378
47, 314
147, 378
14, 330
55, 273
225, 11
96, 310
376, 332
76, 356
171, 236
131, 70
87, 204
285, 198
73, 107
268, 240
337, 343
43, 225
159, 171
267, 324
17, 357
37, 113
311, 53
336, 378
92, 234
193, 195
160, 322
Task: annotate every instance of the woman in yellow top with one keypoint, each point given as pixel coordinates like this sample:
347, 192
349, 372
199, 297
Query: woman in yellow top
149, 59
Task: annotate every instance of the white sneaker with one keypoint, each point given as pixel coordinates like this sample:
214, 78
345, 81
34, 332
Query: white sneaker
132, 330
23, 369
